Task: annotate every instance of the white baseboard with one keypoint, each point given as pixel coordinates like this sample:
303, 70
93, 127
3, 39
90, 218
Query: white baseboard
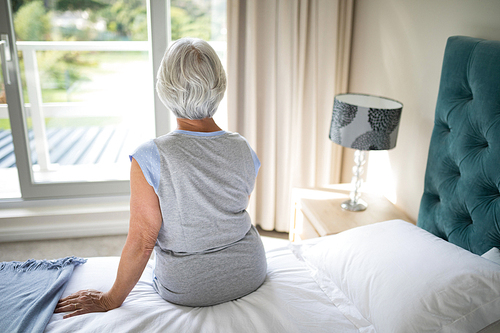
64, 221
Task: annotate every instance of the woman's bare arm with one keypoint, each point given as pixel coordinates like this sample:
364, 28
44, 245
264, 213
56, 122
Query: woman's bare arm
145, 223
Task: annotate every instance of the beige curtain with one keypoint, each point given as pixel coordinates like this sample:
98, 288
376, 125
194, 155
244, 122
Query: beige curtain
286, 61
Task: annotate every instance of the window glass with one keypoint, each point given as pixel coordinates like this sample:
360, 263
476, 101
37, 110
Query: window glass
86, 81
87, 87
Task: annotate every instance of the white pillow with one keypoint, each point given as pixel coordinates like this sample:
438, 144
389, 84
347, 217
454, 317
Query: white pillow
401, 278
492, 255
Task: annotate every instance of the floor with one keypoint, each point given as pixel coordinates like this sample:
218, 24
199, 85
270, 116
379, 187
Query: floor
91, 247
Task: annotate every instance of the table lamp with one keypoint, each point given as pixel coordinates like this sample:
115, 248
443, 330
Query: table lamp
363, 122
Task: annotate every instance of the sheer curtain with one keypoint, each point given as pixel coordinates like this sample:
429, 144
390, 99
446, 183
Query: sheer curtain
286, 61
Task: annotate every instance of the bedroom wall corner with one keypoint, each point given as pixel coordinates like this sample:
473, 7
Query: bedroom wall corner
397, 52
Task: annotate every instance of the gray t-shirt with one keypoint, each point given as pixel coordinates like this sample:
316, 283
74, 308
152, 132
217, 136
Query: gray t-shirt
203, 181
207, 251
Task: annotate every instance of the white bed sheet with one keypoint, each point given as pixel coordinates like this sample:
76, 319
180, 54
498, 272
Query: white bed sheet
288, 301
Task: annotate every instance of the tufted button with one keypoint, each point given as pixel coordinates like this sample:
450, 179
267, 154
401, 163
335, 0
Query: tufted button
494, 192
464, 217
451, 167
442, 125
434, 198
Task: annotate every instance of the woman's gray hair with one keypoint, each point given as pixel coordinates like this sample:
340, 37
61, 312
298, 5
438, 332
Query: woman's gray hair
191, 80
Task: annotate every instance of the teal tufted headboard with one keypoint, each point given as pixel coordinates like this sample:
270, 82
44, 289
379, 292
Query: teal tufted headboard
461, 200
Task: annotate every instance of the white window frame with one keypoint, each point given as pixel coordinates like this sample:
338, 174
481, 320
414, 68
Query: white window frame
159, 38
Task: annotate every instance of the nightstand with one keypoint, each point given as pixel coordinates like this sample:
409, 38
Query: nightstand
317, 212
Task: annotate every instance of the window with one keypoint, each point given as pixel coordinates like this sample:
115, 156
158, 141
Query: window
80, 95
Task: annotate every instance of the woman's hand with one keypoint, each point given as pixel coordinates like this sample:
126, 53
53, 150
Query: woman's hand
84, 301
145, 223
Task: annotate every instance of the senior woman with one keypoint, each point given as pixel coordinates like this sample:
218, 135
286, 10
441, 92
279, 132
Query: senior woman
189, 193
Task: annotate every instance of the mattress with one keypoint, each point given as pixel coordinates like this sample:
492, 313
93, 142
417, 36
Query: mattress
385, 277
288, 301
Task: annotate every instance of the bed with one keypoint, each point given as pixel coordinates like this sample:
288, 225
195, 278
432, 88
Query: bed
362, 280
442, 275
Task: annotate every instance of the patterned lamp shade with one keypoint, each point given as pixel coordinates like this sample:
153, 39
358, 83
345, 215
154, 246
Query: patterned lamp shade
365, 122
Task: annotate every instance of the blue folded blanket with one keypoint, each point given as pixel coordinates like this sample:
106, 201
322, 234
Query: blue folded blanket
29, 292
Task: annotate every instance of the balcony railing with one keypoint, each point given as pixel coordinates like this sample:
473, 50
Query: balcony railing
38, 111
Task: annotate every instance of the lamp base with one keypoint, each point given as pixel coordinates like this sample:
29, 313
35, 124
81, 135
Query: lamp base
355, 203
352, 206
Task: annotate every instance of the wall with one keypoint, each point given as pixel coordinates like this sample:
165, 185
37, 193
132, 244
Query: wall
397, 51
